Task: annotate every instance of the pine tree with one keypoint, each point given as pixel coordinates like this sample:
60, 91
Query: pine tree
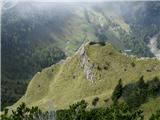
117, 93
141, 84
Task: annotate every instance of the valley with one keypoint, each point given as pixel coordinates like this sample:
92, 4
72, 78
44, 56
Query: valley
60, 55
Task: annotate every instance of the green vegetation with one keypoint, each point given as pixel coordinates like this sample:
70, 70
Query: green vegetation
117, 93
11, 95
31, 42
140, 92
24, 113
84, 76
155, 116
78, 111
95, 101
114, 112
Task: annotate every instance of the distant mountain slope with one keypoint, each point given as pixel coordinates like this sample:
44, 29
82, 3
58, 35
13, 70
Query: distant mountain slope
92, 71
158, 42
37, 35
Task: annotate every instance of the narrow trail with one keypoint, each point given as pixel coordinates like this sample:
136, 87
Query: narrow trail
153, 46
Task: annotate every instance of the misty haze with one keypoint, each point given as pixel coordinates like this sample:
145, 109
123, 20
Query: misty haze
80, 60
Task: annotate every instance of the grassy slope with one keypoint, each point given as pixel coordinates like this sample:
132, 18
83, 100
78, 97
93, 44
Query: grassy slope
65, 83
66, 33
150, 107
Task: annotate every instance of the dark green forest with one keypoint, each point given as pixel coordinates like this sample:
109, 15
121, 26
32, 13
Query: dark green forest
25, 51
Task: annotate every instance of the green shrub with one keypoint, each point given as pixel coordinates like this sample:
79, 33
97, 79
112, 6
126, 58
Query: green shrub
133, 64
153, 87
155, 116
117, 93
76, 111
102, 43
135, 94
114, 112
141, 84
92, 43
138, 93
24, 113
95, 101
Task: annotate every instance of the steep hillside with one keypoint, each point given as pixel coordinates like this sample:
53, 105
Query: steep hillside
37, 35
94, 70
151, 106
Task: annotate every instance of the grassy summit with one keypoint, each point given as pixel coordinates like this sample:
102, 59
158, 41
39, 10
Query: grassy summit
93, 71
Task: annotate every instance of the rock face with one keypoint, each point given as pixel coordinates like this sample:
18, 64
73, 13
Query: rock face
88, 67
153, 46
93, 71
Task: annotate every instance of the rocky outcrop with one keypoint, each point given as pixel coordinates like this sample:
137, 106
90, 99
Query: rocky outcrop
153, 46
88, 67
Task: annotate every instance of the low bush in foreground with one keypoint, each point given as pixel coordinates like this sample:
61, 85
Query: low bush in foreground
76, 111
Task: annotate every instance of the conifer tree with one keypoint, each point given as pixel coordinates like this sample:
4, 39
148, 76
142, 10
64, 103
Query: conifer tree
117, 93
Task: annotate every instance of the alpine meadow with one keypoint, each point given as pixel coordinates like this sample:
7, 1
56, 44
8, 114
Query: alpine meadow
79, 60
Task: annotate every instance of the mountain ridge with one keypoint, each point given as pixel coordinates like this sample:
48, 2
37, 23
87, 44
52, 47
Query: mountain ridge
85, 77
37, 35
